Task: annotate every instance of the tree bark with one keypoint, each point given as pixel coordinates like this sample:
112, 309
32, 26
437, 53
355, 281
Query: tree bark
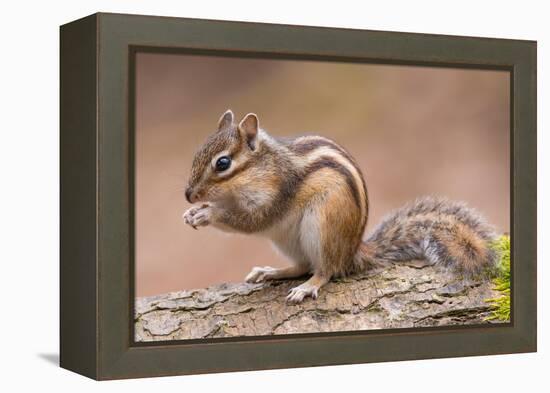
405, 295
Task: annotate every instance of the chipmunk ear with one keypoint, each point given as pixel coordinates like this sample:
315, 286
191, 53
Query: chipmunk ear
248, 128
226, 120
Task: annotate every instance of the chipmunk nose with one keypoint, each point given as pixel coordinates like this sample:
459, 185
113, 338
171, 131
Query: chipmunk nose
188, 193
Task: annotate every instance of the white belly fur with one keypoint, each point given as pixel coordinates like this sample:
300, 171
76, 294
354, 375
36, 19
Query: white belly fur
297, 238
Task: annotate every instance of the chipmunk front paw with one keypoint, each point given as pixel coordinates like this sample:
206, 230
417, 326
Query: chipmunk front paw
198, 216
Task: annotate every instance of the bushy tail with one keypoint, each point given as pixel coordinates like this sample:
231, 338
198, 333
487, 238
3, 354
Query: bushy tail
444, 233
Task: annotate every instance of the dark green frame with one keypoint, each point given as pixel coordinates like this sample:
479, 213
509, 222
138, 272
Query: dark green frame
97, 193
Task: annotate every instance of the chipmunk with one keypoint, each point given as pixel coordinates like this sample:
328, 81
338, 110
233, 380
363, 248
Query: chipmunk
308, 196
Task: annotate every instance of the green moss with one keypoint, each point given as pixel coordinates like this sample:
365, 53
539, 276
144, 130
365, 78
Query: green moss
501, 304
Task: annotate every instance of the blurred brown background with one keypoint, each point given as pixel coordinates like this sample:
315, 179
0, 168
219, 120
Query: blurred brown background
414, 131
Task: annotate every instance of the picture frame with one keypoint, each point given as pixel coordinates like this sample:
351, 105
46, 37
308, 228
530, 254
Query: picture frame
96, 197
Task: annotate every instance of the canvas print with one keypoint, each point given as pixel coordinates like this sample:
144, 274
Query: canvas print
285, 196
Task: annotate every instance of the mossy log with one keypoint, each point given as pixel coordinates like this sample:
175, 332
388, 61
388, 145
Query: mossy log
406, 295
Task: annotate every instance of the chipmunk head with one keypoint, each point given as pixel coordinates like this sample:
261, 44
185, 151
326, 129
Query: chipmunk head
227, 152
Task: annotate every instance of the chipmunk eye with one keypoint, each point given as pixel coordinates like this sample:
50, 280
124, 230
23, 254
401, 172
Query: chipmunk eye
223, 163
